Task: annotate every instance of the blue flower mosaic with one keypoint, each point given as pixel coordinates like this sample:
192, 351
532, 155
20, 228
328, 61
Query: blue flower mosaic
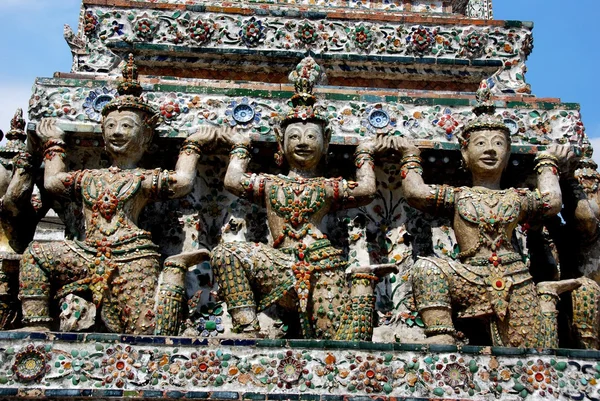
378, 120
244, 113
96, 100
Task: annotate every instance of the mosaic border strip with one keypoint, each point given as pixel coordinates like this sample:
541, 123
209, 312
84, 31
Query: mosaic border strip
185, 107
71, 365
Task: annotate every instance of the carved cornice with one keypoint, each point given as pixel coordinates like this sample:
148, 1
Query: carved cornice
216, 40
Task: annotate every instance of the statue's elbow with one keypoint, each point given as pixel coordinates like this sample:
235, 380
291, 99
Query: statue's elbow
54, 186
554, 207
232, 185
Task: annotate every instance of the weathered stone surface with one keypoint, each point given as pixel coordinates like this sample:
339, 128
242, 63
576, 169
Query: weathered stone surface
76, 314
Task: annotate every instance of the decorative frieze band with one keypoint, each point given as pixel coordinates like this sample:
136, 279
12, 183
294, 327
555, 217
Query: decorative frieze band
157, 35
101, 366
352, 114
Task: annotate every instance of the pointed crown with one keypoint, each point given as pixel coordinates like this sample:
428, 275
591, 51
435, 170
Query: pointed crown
485, 117
130, 98
304, 105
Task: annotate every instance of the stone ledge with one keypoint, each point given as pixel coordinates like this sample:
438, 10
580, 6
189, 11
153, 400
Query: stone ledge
333, 9
71, 366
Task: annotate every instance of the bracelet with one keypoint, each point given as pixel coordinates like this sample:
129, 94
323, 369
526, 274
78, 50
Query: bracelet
52, 152
175, 266
23, 161
407, 169
545, 156
410, 162
54, 142
240, 150
365, 276
191, 146
411, 157
363, 156
54, 147
440, 329
547, 163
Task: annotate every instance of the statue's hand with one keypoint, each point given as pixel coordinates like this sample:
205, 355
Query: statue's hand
564, 155
204, 136
232, 136
367, 145
404, 146
48, 130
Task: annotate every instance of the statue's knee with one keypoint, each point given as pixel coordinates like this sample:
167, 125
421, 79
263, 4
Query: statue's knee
227, 254
32, 256
431, 287
424, 269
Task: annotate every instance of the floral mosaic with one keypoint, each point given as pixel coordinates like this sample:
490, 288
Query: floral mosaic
432, 6
401, 373
185, 112
106, 26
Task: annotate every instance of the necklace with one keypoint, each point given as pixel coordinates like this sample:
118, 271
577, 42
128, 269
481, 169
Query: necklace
106, 194
491, 211
302, 198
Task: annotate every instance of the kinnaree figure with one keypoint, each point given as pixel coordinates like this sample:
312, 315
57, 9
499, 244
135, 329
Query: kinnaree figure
117, 262
489, 280
300, 270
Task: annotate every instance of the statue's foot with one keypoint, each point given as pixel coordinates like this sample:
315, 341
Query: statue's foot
189, 259
375, 270
445, 339
558, 287
34, 329
250, 330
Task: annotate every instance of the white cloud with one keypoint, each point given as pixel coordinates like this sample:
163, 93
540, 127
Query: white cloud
13, 96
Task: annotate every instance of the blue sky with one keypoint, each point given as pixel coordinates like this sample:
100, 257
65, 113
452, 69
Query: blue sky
564, 62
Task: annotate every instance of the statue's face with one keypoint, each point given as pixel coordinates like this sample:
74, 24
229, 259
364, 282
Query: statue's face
488, 152
125, 134
304, 145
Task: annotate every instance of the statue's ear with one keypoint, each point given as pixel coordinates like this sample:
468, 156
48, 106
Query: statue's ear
465, 156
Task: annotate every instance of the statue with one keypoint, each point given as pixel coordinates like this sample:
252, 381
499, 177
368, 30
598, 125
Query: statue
300, 271
19, 212
490, 280
117, 262
578, 254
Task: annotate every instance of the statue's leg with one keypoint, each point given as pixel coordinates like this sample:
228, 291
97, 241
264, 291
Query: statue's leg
431, 288
230, 262
133, 294
243, 269
356, 321
329, 296
523, 325
171, 291
44, 265
586, 313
